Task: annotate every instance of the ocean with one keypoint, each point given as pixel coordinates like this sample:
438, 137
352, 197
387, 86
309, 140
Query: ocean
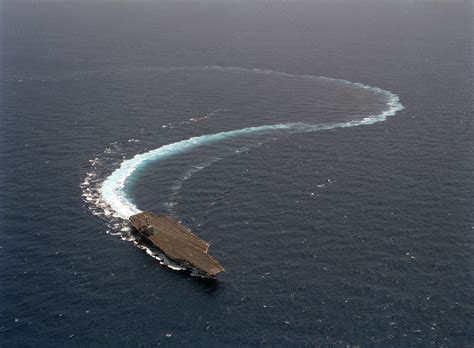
323, 148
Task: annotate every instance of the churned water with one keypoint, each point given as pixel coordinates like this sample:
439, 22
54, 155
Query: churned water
323, 148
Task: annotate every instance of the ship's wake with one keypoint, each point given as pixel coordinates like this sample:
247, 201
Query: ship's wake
105, 190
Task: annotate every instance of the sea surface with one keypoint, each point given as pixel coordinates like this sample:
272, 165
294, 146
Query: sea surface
323, 148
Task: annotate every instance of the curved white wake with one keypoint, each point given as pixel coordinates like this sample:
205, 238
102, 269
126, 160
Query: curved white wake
113, 192
108, 198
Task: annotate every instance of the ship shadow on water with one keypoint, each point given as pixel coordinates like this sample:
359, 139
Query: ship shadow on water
209, 285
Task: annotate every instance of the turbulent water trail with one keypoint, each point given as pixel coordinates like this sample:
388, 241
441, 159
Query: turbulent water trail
113, 190
107, 197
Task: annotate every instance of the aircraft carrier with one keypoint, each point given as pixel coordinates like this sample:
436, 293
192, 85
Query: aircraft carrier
177, 242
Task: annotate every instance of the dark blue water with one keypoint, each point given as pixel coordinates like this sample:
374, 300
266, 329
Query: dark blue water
344, 236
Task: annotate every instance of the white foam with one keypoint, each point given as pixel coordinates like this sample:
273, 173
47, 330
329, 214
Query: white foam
113, 191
